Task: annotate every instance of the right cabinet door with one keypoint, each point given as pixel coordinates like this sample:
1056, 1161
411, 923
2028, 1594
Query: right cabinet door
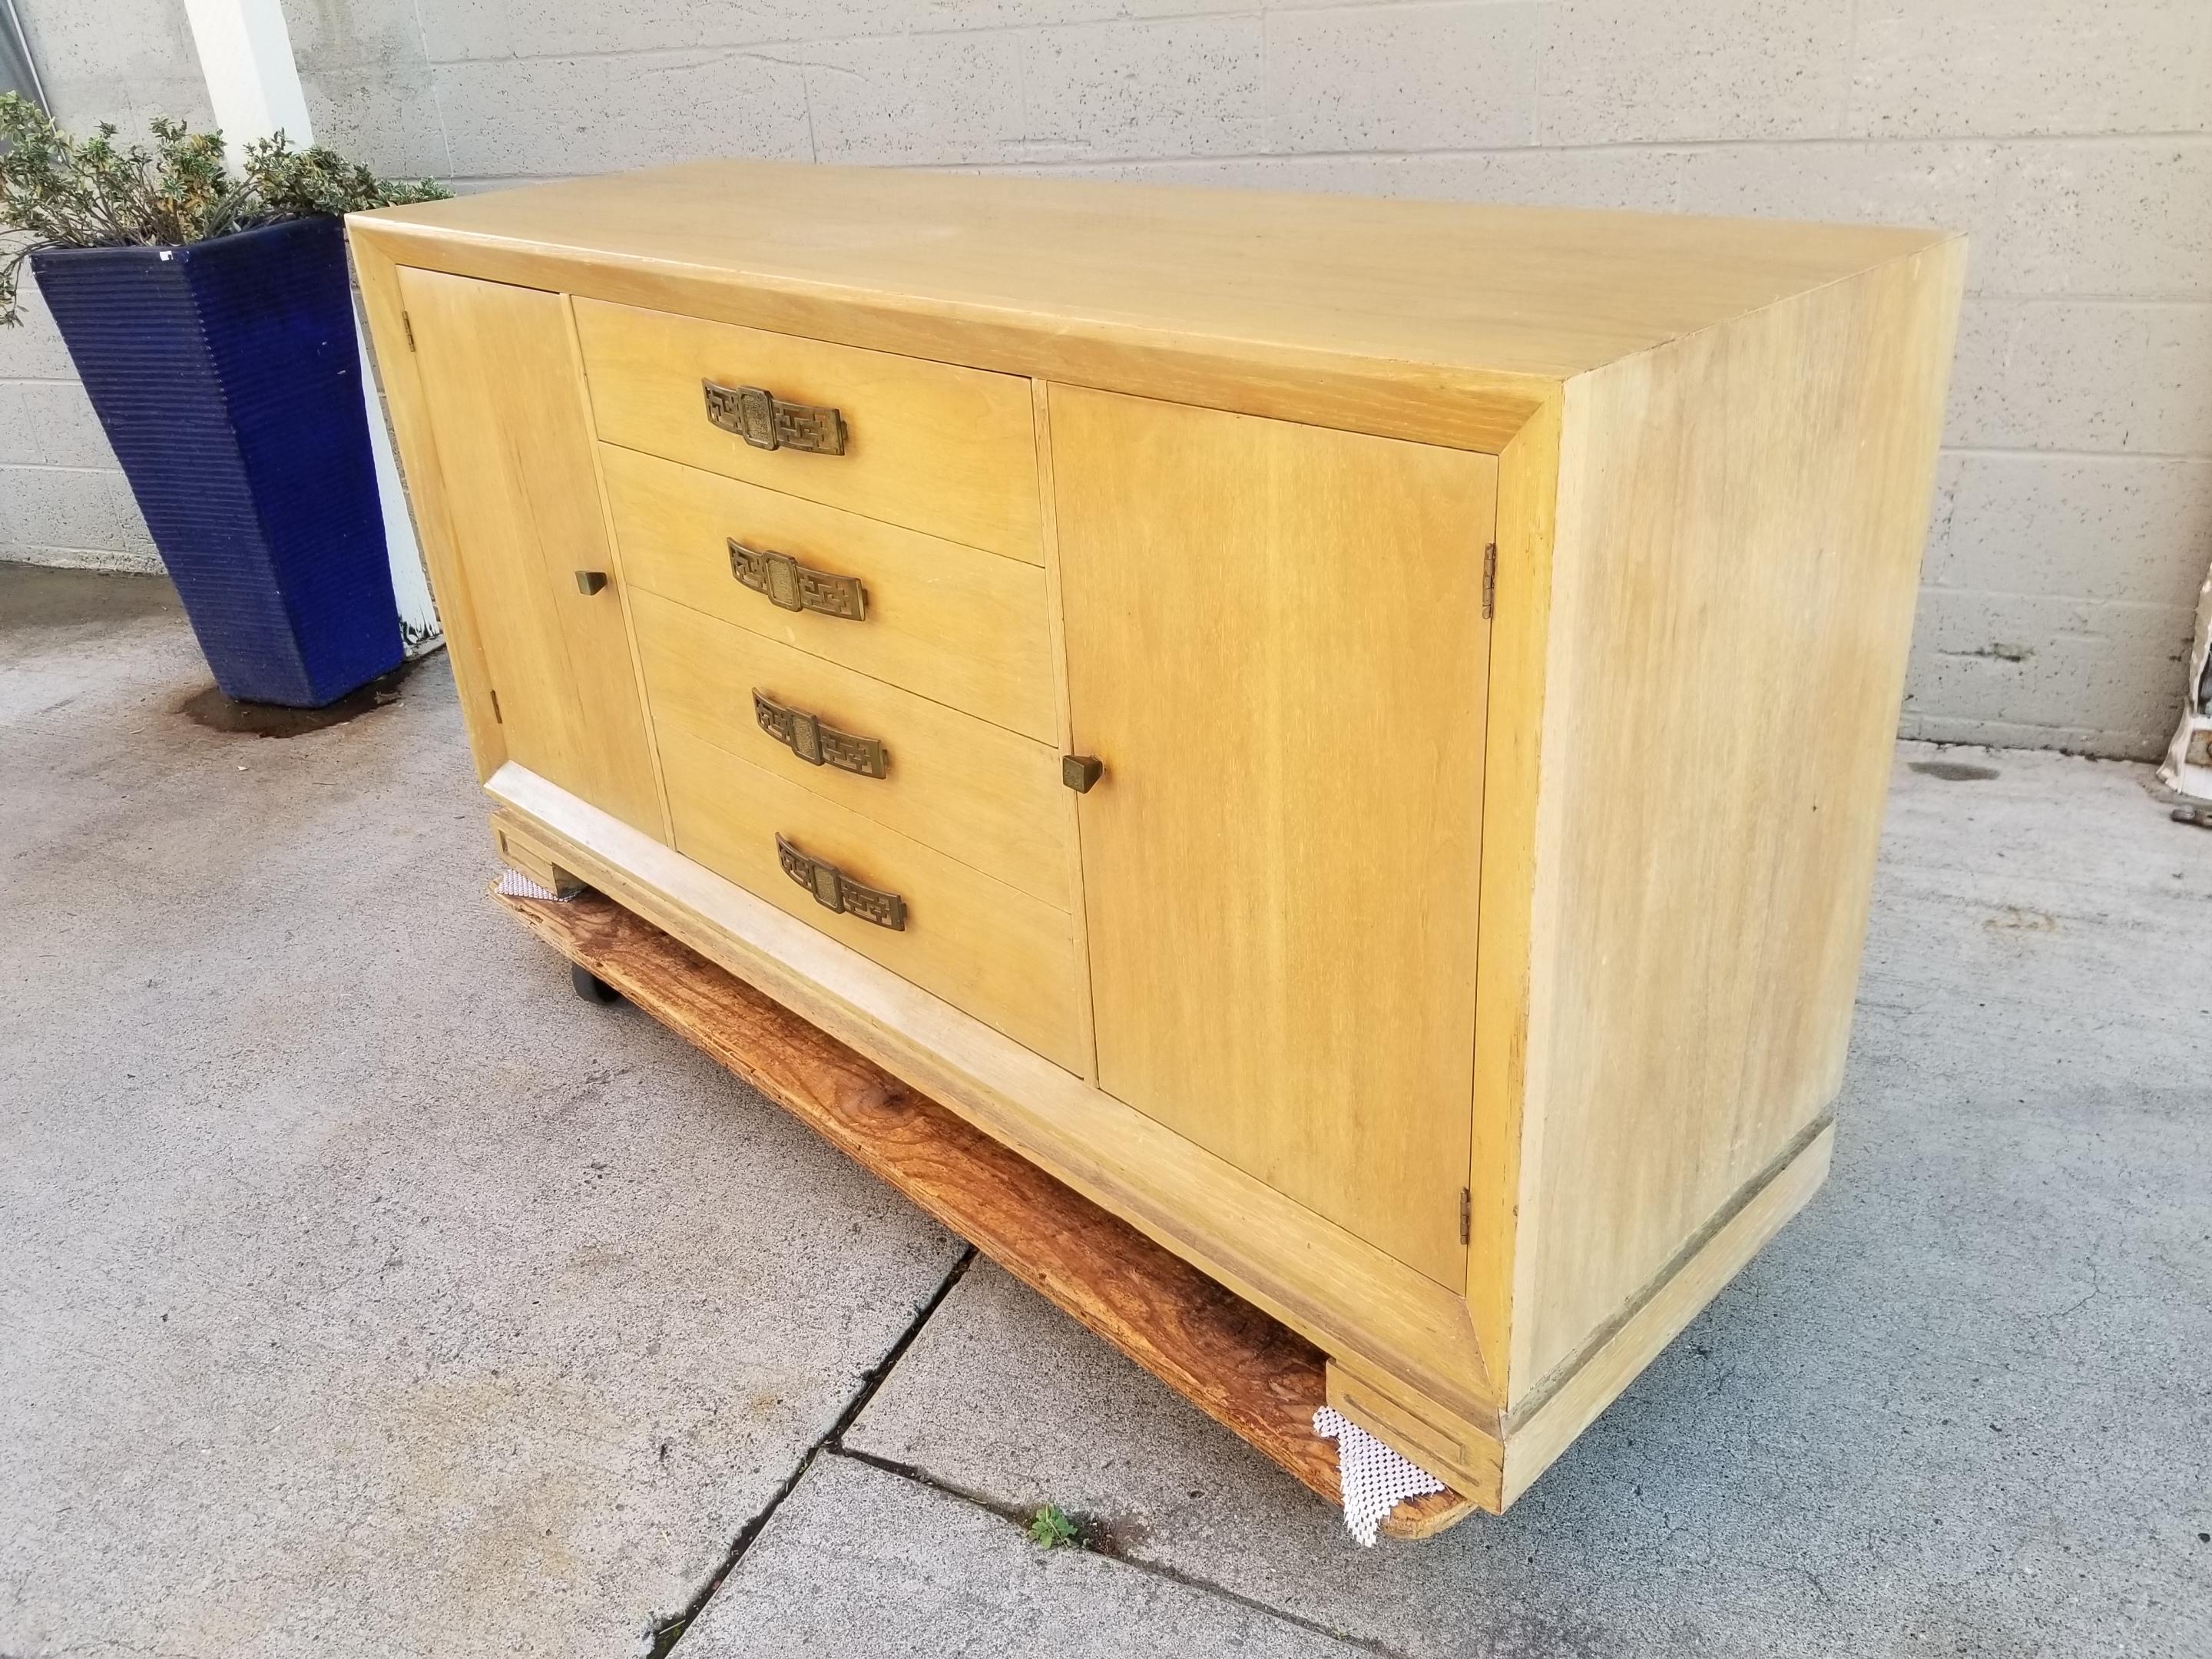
1275, 643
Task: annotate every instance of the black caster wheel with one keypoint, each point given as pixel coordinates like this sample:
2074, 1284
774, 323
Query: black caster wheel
589, 986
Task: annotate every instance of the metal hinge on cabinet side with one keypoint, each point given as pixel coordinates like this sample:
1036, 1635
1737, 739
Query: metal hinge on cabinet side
497, 719
408, 324
1490, 581
1466, 1215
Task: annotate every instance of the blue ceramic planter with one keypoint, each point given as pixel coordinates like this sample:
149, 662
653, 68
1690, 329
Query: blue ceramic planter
227, 377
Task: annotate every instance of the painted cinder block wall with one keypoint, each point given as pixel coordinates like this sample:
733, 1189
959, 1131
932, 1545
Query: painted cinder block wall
2072, 139
63, 500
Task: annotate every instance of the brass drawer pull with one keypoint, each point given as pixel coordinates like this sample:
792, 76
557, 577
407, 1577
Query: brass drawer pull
767, 422
817, 745
834, 890
796, 586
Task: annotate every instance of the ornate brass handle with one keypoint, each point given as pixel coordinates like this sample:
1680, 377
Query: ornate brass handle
834, 890
767, 422
796, 586
817, 745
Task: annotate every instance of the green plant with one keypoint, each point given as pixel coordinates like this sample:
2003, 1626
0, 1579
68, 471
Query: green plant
1052, 1527
60, 191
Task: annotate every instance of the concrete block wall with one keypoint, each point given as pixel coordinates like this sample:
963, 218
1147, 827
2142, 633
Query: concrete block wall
2072, 139
62, 499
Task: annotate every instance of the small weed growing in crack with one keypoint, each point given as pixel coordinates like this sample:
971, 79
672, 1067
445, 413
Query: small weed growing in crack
1052, 1527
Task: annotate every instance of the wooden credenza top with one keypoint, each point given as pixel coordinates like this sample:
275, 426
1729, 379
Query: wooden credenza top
1547, 293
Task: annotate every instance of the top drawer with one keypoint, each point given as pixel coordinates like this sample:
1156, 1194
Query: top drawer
951, 451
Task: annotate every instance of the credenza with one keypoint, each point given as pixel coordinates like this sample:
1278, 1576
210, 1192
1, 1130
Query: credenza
1352, 733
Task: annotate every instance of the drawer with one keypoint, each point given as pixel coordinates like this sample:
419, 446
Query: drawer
951, 451
961, 627
976, 792
985, 947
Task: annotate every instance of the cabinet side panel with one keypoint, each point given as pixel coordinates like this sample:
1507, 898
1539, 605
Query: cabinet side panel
1740, 517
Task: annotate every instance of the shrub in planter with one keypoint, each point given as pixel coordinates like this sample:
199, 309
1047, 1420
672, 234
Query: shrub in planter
210, 316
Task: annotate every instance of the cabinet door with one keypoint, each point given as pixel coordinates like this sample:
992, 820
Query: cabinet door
507, 416
1275, 643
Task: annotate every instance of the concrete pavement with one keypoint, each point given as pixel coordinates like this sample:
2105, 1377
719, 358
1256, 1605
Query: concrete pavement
362, 1292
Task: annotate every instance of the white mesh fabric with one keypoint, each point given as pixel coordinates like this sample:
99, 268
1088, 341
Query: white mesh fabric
1374, 1477
515, 884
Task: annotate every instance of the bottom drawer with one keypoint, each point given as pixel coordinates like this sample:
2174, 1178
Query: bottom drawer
987, 949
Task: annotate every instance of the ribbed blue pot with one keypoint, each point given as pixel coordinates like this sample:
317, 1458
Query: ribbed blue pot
227, 377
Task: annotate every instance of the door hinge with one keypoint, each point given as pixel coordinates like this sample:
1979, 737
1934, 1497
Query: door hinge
1466, 1215
1490, 581
408, 324
498, 719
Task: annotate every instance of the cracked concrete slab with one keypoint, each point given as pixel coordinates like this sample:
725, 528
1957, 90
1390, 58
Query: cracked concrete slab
1959, 1406
861, 1561
362, 1290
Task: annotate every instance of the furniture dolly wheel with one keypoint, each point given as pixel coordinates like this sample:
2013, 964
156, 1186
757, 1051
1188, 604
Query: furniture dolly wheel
589, 986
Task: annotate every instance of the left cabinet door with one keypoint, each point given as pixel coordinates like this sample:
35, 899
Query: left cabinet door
502, 393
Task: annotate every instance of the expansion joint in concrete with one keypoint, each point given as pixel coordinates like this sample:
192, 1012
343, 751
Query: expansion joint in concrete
1098, 1540
665, 1633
